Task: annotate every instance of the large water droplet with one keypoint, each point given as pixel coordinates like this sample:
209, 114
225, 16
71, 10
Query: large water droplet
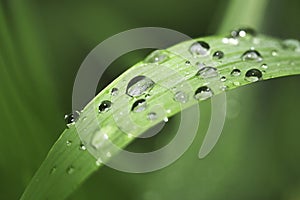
235, 72
104, 106
218, 55
243, 32
114, 92
181, 97
152, 116
252, 55
139, 105
203, 93
199, 48
138, 85
70, 170
253, 75
207, 72
157, 56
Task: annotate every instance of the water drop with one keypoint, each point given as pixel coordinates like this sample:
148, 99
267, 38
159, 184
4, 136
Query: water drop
104, 106
98, 162
223, 78
187, 63
114, 92
53, 170
232, 41
108, 154
291, 44
70, 170
274, 53
152, 116
218, 55
199, 48
264, 66
181, 97
68, 143
69, 119
207, 72
203, 93
138, 85
82, 147
235, 72
139, 105
166, 119
243, 32
157, 56
236, 83
252, 55
253, 75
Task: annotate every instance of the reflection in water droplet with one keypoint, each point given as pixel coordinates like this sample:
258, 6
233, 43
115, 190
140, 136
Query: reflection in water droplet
181, 97
253, 75
152, 116
139, 105
218, 55
157, 56
138, 85
203, 93
252, 55
114, 92
104, 106
199, 48
70, 170
207, 72
235, 72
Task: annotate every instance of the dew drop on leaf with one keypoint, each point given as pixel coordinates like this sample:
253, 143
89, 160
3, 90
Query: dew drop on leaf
114, 92
104, 106
253, 75
82, 147
235, 72
152, 116
252, 55
243, 32
291, 44
53, 170
138, 85
70, 170
203, 93
223, 78
181, 97
188, 63
139, 105
274, 53
157, 56
69, 119
218, 55
207, 72
264, 66
199, 48
68, 143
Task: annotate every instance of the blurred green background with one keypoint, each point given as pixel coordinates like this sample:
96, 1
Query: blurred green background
42, 44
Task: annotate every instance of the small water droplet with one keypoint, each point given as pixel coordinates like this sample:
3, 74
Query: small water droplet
236, 83
157, 56
199, 48
187, 63
139, 105
53, 170
70, 170
207, 72
243, 32
223, 78
104, 106
253, 75
166, 119
274, 53
70, 120
232, 41
264, 66
203, 93
82, 147
218, 55
108, 154
252, 55
114, 92
235, 72
138, 85
181, 97
98, 162
68, 143
152, 116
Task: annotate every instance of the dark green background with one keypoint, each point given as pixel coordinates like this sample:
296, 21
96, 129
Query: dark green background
42, 44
